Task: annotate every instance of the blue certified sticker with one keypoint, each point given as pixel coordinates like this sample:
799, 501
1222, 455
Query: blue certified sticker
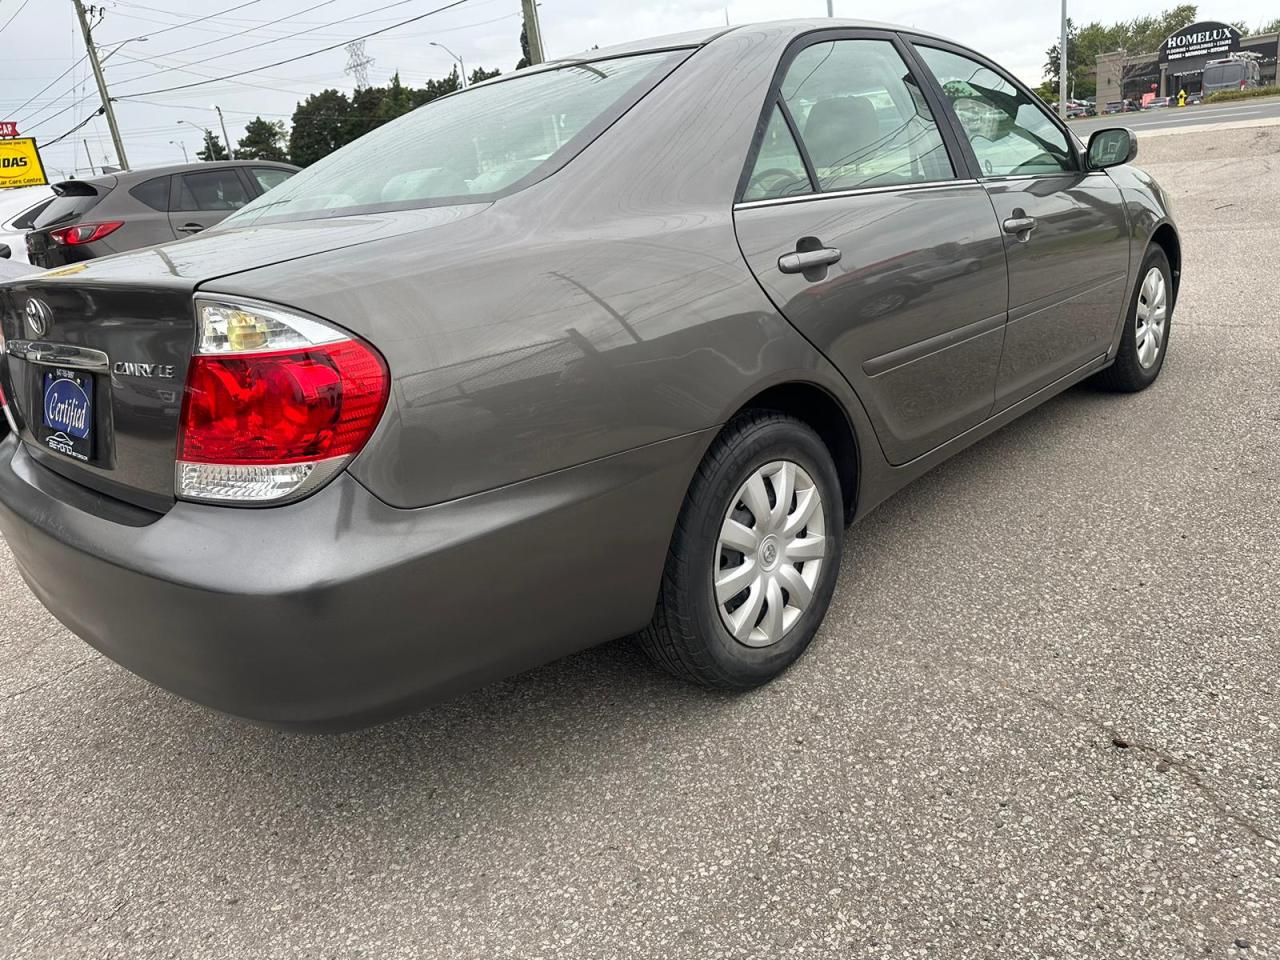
67, 408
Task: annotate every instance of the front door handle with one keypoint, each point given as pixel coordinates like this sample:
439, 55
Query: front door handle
803, 261
1020, 227
190, 228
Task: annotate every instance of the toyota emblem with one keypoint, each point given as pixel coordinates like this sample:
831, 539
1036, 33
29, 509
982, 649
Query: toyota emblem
39, 317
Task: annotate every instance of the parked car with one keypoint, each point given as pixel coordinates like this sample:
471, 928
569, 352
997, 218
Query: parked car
612, 345
139, 208
19, 208
1119, 106
1156, 103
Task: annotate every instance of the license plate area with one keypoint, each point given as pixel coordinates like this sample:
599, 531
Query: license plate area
68, 410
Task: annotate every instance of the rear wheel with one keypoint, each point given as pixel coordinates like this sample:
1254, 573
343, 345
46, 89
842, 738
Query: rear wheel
753, 561
1145, 339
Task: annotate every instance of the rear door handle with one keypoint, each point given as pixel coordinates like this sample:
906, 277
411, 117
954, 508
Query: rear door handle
1020, 227
190, 228
800, 261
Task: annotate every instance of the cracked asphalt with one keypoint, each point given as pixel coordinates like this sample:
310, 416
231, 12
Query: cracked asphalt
1042, 720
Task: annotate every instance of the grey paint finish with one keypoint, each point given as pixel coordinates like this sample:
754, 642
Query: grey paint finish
560, 360
1068, 281
913, 313
341, 610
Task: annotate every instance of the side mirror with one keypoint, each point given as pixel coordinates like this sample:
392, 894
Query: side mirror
1112, 147
5, 252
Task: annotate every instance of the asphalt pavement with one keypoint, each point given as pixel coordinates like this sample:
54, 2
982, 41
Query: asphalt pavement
1042, 720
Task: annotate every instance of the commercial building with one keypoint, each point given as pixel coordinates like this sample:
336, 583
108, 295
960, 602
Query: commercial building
1180, 62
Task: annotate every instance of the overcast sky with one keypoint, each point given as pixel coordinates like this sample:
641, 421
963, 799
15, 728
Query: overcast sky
43, 40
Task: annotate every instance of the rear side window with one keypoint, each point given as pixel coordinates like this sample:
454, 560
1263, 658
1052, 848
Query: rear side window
215, 190
154, 193
27, 220
270, 177
472, 145
779, 169
73, 204
862, 117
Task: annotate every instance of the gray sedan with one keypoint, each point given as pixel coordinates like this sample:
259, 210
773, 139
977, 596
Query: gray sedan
612, 346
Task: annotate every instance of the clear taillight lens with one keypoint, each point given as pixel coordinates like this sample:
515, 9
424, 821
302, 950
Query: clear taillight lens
276, 403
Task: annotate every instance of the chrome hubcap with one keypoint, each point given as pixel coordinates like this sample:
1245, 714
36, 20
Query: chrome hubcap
1152, 318
770, 553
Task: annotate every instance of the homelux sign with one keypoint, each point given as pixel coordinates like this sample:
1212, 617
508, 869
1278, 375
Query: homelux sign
1200, 40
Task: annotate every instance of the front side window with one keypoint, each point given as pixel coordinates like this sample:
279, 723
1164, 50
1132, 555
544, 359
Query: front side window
862, 117
470, 146
1010, 134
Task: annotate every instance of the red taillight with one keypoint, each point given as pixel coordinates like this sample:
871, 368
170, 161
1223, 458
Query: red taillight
84, 232
276, 403
294, 406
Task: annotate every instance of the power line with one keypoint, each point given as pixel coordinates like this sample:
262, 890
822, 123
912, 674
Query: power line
190, 23
15, 14
229, 36
47, 86
49, 143
268, 42
304, 56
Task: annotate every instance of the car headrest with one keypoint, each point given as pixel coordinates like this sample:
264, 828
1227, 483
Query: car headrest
840, 130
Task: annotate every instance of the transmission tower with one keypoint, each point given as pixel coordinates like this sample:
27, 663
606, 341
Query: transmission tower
358, 63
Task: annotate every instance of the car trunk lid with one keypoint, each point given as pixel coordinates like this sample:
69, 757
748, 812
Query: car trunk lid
97, 353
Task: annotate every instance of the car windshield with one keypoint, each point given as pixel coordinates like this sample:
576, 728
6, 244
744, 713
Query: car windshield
474, 145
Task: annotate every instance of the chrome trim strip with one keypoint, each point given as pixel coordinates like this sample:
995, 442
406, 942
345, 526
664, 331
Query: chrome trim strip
861, 191
63, 354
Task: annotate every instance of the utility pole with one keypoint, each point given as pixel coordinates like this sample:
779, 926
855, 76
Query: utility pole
88, 156
532, 31
92, 52
1062, 65
830, 8
226, 141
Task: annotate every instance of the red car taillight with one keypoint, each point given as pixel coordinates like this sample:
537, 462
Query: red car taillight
275, 405
84, 232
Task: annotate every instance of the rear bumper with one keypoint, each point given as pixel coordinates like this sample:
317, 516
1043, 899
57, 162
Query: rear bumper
340, 611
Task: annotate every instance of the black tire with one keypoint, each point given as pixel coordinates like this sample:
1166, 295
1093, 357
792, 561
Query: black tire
1127, 374
687, 636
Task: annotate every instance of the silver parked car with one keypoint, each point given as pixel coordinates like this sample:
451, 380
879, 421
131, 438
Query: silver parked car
122, 211
615, 345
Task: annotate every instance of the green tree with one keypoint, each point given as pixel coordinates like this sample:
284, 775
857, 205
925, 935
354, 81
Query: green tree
262, 140
1272, 27
1084, 44
320, 125
212, 149
524, 49
480, 75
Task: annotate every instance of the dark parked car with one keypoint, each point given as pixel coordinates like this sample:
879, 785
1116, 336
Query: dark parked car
603, 347
140, 208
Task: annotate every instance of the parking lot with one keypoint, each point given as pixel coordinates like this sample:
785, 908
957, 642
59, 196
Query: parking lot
1042, 720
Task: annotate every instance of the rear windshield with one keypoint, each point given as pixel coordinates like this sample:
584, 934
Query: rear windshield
471, 146
1225, 73
73, 204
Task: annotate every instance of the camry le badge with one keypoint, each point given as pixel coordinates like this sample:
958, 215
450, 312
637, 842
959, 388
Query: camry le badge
39, 317
124, 368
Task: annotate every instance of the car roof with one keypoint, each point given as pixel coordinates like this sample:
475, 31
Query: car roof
775, 28
129, 178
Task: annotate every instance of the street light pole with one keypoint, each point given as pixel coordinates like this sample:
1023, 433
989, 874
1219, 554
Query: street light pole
226, 140
179, 143
92, 53
1062, 65
830, 8
208, 136
462, 67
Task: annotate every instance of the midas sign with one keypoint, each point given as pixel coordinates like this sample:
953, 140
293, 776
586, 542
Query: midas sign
20, 164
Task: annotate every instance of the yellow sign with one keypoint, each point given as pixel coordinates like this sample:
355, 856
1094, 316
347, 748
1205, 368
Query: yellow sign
20, 164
